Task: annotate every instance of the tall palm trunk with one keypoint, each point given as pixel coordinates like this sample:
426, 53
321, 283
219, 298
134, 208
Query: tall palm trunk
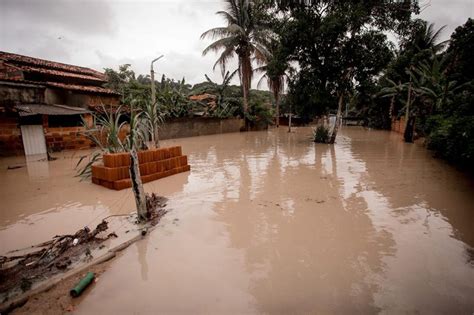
246, 78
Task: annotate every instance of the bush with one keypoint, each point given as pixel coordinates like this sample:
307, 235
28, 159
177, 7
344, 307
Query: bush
452, 138
321, 134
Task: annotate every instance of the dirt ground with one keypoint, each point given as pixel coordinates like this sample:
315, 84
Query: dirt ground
57, 299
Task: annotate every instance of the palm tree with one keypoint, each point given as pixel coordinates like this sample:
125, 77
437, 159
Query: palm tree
433, 84
275, 73
243, 36
426, 37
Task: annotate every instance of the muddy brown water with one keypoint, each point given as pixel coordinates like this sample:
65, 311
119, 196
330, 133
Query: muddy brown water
269, 222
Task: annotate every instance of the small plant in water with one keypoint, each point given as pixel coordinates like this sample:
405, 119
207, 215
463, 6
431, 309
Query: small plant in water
321, 134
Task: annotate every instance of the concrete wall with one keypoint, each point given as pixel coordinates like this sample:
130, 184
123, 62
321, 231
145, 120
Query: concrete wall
192, 127
71, 138
11, 94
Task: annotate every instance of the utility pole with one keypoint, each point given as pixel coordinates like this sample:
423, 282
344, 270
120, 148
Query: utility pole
152, 72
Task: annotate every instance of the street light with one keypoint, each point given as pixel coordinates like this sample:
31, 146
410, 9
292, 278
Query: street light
153, 92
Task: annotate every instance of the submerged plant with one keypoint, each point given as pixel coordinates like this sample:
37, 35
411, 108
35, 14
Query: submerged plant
321, 134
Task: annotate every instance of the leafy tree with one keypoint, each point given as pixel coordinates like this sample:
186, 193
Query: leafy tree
336, 45
460, 50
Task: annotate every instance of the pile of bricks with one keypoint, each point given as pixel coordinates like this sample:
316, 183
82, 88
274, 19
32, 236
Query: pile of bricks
153, 164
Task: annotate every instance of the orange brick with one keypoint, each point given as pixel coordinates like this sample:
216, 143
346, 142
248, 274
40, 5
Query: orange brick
95, 180
108, 160
143, 169
152, 168
147, 178
172, 162
107, 184
95, 171
125, 159
183, 160
150, 155
167, 164
122, 184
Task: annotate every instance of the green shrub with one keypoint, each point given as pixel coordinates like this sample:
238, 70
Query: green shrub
452, 138
321, 134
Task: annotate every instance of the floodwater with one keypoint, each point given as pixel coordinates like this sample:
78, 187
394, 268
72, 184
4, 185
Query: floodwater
269, 222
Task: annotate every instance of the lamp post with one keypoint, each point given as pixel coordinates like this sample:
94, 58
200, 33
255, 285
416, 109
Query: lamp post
152, 72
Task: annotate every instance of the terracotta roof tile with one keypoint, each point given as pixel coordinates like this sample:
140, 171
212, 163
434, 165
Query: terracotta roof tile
85, 88
61, 73
73, 87
25, 60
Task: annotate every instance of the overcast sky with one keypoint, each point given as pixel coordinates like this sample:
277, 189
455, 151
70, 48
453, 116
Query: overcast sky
107, 33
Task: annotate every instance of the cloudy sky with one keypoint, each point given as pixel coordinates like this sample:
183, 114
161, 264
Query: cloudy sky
107, 33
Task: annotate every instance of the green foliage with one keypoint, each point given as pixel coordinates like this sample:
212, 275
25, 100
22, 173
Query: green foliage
321, 134
259, 112
452, 138
244, 36
337, 45
461, 48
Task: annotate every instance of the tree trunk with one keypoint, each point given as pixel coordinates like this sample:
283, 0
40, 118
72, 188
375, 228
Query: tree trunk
409, 129
277, 101
137, 186
156, 135
338, 119
392, 108
408, 135
276, 95
289, 120
245, 80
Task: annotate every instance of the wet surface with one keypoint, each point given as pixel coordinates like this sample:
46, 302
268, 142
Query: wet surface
269, 222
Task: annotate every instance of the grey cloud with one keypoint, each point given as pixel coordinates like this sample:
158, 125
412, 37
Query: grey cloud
82, 17
451, 13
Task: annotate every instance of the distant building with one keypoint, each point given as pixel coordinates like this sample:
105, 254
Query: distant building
41, 104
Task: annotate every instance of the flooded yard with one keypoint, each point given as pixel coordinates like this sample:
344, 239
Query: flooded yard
269, 222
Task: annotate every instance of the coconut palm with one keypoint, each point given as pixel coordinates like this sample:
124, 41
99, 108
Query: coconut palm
275, 73
426, 37
243, 36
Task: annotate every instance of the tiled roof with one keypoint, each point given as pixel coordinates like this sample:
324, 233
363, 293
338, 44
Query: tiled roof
73, 87
85, 88
25, 60
61, 73
202, 97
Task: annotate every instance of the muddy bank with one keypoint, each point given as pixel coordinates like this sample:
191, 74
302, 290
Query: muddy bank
268, 222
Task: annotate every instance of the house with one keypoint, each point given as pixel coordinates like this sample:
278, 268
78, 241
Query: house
42, 102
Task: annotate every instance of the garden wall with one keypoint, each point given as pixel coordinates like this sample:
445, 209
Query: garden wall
199, 126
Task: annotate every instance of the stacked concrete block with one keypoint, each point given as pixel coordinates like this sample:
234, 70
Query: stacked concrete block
153, 164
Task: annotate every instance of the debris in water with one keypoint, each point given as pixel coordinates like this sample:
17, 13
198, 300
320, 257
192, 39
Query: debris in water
81, 285
14, 167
